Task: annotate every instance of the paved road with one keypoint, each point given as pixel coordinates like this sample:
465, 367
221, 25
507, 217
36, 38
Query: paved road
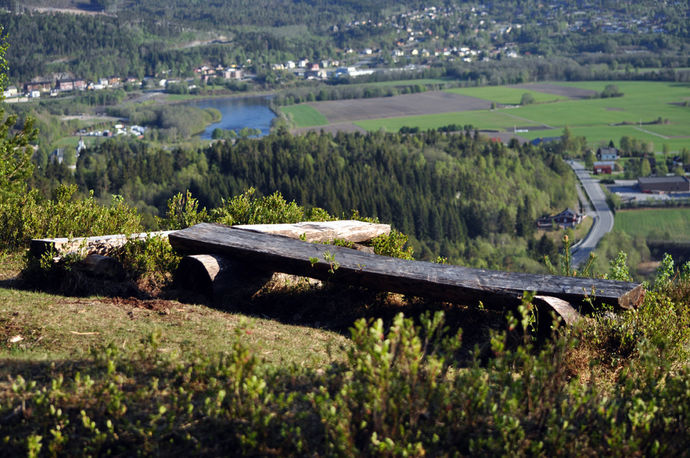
603, 217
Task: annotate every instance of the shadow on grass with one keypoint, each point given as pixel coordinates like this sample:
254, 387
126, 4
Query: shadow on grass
294, 301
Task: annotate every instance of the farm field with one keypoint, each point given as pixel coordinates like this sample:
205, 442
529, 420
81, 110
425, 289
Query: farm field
663, 224
304, 115
599, 120
506, 95
423, 103
485, 119
421, 82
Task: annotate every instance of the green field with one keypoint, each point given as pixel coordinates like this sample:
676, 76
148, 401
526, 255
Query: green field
421, 82
505, 95
304, 115
485, 119
662, 224
596, 119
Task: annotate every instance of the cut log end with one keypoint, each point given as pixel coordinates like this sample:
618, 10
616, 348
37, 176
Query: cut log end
632, 299
562, 308
217, 276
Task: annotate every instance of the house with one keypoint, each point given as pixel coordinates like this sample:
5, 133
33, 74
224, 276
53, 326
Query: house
11, 91
566, 218
663, 184
43, 86
604, 168
232, 73
79, 85
607, 154
65, 85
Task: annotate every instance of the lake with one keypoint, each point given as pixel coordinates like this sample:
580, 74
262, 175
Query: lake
238, 112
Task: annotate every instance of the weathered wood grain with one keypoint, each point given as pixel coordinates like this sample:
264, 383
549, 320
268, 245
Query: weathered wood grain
323, 231
445, 282
99, 244
102, 266
217, 276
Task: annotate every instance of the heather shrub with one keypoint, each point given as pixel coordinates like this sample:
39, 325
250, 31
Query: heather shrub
401, 391
64, 215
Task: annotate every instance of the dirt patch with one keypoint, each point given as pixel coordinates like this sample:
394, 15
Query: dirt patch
570, 92
343, 111
160, 306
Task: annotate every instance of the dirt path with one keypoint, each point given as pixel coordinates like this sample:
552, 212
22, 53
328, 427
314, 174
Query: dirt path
529, 120
651, 133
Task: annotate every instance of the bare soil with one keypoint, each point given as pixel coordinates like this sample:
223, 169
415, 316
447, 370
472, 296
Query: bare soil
571, 92
343, 111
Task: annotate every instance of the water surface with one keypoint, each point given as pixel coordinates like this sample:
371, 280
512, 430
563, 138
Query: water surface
238, 112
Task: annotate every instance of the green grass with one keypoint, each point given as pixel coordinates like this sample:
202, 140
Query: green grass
421, 82
505, 95
55, 328
486, 119
304, 115
593, 118
659, 224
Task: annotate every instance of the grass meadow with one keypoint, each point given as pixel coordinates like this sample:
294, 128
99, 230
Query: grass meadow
505, 95
599, 120
304, 115
663, 224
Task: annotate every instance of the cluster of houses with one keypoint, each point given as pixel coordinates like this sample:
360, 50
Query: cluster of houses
606, 161
118, 130
36, 89
229, 73
322, 70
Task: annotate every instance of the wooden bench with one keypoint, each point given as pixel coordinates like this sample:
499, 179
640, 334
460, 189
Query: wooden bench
271, 253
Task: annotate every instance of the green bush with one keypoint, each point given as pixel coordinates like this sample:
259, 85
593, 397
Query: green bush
247, 208
65, 215
152, 258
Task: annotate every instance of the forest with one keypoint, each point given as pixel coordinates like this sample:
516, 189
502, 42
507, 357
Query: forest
459, 196
136, 38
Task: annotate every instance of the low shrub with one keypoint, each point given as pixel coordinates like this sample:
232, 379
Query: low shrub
399, 392
65, 215
152, 260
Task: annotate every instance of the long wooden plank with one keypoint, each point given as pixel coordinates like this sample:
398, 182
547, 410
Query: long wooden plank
99, 244
451, 283
324, 231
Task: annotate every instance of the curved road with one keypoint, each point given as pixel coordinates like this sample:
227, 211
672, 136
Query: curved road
603, 216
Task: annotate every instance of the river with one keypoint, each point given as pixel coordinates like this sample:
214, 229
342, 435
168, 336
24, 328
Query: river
238, 112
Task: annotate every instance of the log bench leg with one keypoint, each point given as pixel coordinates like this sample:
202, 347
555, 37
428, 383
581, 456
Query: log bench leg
218, 276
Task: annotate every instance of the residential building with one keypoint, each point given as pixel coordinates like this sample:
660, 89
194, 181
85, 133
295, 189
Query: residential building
604, 167
663, 184
65, 85
43, 86
607, 154
566, 218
